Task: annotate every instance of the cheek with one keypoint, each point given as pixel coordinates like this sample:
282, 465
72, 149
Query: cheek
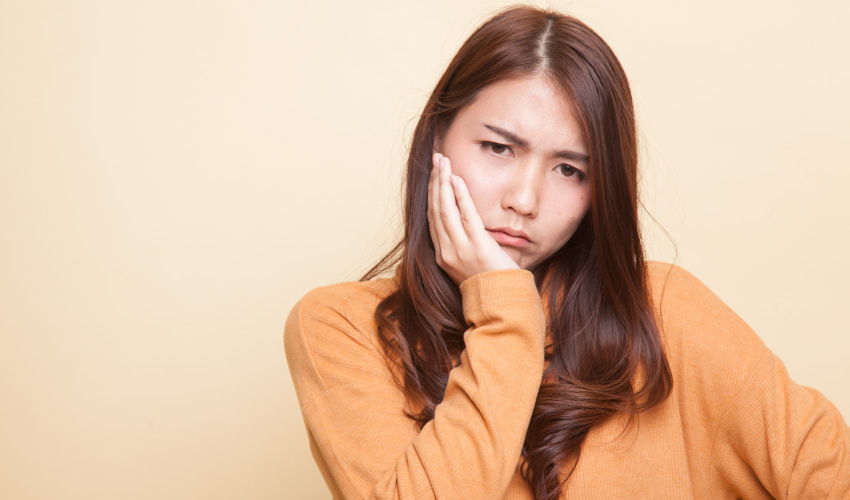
570, 212
462, 161
482, 185
584, 204
582, 200
485, 192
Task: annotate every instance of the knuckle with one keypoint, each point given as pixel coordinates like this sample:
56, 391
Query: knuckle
444, 213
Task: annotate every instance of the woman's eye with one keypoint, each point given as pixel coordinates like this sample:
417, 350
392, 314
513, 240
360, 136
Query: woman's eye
495, 147
570, 171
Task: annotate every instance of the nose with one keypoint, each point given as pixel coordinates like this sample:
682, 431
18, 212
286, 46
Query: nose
522, 193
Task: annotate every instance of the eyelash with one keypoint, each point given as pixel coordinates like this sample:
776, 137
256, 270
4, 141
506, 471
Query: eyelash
490, 145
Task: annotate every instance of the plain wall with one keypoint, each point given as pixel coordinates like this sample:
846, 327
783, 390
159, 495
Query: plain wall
174, 175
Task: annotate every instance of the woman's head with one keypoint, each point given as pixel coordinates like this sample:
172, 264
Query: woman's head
572, 76
522, 155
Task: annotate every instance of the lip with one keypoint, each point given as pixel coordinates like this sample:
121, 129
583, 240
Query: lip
509, 237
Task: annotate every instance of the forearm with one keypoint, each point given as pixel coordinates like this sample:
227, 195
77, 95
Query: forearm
472, 446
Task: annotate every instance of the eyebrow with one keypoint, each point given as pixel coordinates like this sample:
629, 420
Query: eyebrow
519, 141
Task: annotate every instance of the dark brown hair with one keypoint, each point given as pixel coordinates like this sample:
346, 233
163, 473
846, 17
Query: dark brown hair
605, 355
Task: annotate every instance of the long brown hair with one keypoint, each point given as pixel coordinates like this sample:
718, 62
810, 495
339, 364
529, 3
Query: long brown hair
604, 338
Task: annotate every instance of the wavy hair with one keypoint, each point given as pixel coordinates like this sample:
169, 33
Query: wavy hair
605, 354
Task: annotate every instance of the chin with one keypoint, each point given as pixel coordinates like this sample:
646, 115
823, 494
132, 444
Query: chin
521, 260
529, 267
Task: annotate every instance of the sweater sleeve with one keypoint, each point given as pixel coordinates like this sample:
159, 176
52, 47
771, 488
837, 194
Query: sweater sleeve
753, 432
782, 437
353, 409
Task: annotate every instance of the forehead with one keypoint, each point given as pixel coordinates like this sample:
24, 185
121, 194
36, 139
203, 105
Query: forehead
531, 107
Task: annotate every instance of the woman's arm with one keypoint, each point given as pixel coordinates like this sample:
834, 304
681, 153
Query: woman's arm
753, 432
353, 409
784, 437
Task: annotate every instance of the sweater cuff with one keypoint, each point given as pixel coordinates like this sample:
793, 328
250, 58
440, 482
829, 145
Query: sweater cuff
500, 287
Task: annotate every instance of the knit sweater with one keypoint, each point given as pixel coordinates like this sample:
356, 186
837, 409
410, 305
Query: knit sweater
734, 426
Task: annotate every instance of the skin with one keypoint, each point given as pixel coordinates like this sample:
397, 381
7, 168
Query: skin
484, 179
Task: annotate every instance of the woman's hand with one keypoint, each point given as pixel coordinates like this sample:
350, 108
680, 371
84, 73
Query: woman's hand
461, 243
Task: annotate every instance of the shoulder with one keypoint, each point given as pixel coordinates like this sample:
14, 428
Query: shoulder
349, 299
685, 304
332, 330
677, 292
705, 340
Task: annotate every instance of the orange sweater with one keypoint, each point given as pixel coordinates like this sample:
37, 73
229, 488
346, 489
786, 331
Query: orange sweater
735, 425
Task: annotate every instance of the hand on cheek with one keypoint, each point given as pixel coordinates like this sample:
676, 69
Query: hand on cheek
462, 246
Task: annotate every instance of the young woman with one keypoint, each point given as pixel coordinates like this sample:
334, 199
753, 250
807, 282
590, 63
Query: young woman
524, 348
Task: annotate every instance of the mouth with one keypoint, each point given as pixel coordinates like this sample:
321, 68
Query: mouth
510, 237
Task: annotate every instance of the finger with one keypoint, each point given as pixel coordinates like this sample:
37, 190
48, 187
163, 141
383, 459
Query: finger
439, 213
435, 224
448, 207
469, 217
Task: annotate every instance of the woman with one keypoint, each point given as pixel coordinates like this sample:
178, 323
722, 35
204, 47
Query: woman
524, 348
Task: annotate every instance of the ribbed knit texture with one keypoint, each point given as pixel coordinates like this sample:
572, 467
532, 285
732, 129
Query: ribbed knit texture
735, 426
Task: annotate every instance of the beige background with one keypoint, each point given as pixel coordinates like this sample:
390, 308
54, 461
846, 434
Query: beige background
174, 175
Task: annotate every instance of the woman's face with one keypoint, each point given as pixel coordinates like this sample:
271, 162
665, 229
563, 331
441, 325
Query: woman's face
519, 148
